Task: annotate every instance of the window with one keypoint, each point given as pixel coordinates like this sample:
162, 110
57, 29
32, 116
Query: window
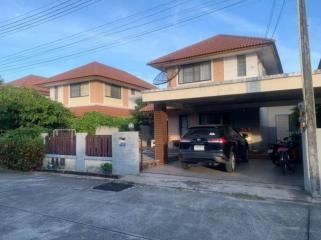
79, 90
56, 93
195, 72
241, 65
133, 91
112, 91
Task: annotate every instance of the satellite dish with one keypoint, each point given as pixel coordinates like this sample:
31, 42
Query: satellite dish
164, 77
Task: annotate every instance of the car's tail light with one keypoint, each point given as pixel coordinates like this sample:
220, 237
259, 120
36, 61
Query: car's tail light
217, 140
185, 140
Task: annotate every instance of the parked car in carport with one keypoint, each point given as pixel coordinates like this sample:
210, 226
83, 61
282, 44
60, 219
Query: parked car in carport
213, 144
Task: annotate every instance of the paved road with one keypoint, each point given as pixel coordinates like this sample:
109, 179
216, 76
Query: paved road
43, 206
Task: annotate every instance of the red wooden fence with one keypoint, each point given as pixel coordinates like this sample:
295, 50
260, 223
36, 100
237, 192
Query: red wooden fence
62, 144
98, 145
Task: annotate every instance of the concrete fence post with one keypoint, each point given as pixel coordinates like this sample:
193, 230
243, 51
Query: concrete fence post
80, 151
125, 150
43, 136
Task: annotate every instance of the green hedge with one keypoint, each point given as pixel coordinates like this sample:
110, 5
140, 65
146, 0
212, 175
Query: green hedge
22, 149
90, 121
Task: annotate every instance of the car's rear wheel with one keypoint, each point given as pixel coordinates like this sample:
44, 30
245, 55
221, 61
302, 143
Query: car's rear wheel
230, 165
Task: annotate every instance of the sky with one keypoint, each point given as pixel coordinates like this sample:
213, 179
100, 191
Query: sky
118, 50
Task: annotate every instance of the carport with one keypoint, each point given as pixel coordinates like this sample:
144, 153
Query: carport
248, 103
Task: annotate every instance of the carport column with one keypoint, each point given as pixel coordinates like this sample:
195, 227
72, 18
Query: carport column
160, 133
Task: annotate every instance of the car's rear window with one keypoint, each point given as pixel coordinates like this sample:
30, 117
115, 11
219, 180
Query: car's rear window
205, 132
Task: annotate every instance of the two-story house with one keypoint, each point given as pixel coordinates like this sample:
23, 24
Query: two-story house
97, 87
33, 82
225, 79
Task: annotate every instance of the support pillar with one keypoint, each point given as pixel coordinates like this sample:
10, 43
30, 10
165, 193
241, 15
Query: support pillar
160, 133
80, 151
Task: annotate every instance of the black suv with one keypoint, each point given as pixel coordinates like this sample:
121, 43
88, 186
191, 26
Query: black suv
213, 144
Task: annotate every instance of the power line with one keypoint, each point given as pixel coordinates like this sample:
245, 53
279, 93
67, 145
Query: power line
33, 51
278, 19
45, 19
121, 41
129, 28
270, 18
108, 33
34, 15
27, 13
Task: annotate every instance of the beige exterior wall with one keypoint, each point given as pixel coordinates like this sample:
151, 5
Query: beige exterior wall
96, 92
114, 102
66, 95
60, 94
79, 101
230, 67
96, 96
174, 81
132, 98
266, 84
173, 125
225, 69
173, 129
218, 70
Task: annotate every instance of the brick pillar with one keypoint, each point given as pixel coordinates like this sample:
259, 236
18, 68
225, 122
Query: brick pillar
160, 133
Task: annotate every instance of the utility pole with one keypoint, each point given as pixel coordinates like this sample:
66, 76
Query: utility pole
309, 130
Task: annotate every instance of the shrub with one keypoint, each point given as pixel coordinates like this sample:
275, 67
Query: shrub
22, 149
22, 107
106, 167
90, 121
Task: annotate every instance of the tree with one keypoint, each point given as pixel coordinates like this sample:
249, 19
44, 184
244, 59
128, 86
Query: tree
22, 107
142, 118
90, 121
296, 114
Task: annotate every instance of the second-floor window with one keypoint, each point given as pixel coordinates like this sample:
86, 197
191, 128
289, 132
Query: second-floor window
112, 91
79, 90
195, 72
241, 65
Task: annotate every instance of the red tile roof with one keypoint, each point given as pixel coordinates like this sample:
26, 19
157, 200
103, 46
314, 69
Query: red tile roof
31, 81
148, 108
111, 111
214, 45
101, 70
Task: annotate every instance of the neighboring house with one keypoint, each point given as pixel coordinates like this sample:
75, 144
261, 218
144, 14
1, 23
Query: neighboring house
97, 87
33, 82
225, 79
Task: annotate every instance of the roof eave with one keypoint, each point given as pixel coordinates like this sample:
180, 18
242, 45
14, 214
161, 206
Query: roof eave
161, 65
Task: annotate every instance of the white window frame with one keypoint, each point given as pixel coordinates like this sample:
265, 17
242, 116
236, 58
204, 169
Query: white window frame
196, 72
83, 90
241, 65
110, 94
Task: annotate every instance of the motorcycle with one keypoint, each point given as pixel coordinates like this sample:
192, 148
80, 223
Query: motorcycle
285, 154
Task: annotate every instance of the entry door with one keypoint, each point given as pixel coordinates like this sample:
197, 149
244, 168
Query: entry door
282, 126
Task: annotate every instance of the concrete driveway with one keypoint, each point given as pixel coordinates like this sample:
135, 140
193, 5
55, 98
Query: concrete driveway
45, 206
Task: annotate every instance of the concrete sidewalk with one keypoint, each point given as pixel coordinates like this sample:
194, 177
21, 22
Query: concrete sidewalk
48, 206
263, 191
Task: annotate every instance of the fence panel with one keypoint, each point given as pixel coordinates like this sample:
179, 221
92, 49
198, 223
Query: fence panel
98, 145
62, 144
